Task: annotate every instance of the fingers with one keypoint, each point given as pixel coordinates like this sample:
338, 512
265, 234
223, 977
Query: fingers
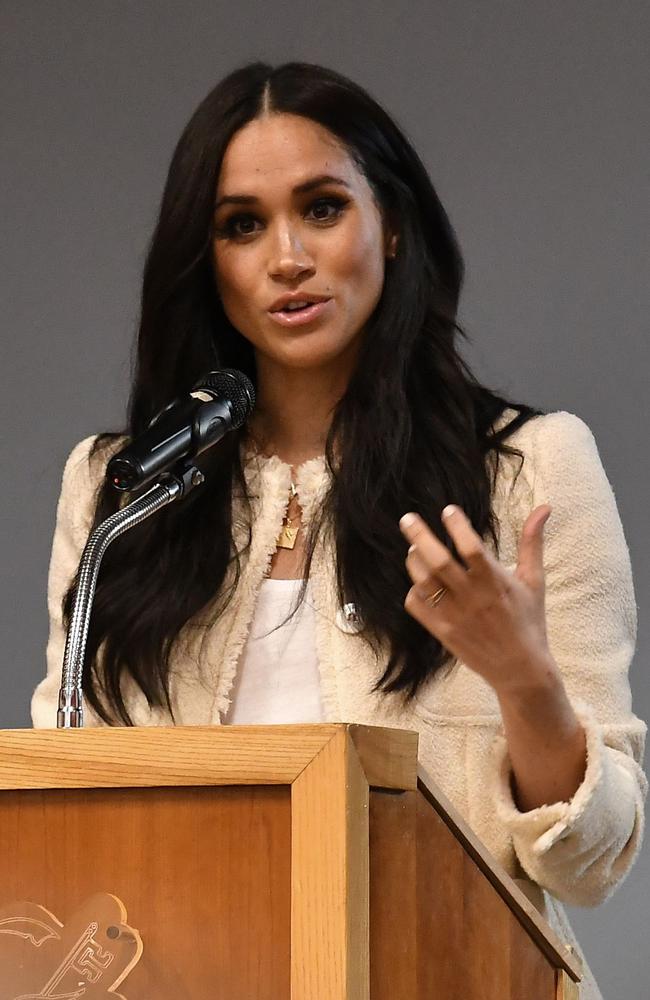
484, 615
425, 581
468, 542
530, 567
431, 617
434, 560
476, 584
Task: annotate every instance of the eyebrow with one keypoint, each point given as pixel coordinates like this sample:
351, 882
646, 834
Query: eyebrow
308, 185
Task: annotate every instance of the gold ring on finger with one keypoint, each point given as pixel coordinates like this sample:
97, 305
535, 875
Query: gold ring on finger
433, 599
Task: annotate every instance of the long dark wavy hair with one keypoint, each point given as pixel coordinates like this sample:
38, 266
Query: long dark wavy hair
412, 432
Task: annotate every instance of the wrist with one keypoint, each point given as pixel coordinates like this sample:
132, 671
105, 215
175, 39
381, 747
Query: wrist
546, 740
539, 680
541, 704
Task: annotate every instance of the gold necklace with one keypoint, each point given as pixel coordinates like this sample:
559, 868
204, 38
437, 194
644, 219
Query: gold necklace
288, 531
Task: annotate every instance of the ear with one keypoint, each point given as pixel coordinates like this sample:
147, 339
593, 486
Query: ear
391, 234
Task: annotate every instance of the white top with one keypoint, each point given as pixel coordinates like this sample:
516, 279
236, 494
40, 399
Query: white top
277, 675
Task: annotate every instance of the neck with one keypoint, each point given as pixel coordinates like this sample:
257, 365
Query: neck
293, 412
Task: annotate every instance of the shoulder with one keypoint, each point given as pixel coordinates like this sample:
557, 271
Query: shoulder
563, 467
554, 445
77, 466
547, 430
560, 447
83, 474
87, 460
556, 461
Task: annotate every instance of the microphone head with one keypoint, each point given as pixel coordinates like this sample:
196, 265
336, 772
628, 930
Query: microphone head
233, 385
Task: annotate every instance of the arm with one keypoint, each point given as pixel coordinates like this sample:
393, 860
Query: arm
582, 842
554, 640
546, 742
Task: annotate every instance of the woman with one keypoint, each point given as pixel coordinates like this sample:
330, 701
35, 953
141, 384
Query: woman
502, 639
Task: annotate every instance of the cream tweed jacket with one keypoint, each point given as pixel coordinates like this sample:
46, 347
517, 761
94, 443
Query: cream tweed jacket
575, 852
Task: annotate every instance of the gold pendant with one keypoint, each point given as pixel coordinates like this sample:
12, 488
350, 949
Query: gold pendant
287, 536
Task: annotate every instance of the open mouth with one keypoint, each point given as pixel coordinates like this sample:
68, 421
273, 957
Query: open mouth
301, 314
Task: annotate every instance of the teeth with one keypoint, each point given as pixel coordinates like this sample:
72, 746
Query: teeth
296, 305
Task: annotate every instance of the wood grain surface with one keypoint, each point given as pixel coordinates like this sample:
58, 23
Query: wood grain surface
329, 904
310, 862
393, 897
161, 755
566, 988
193, 755
388, 757
204, 874
559, 953
470, 943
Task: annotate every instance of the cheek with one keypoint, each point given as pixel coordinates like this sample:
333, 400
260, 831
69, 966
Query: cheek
233, 281
358, 242
359, 258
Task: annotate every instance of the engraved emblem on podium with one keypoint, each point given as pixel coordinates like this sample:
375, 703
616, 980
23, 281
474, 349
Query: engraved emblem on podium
89, 957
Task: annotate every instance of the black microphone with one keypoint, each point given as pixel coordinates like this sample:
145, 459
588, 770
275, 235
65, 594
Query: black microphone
218, 403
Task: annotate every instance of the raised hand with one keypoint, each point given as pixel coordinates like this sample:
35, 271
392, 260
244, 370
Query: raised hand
489, 618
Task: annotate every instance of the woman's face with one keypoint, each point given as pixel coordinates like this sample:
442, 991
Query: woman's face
328, 240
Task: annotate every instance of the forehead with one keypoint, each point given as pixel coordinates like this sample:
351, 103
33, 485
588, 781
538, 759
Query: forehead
282, 149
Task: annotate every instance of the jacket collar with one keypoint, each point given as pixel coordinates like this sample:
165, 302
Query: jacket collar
268, 475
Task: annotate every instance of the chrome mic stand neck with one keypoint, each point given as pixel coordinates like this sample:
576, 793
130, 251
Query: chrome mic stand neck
172, 486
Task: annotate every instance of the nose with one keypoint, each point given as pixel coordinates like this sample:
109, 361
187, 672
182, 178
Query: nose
289, 258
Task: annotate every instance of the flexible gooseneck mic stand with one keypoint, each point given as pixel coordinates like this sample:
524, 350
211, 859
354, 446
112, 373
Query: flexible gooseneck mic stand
174, 485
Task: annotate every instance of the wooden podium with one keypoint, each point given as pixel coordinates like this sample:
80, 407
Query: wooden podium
311, 862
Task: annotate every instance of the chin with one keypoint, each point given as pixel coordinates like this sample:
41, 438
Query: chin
304, 358
305, 349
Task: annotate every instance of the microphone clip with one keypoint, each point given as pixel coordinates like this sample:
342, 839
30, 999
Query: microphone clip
185, 474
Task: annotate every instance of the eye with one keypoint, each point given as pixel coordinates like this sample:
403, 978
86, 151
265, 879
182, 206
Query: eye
236, 227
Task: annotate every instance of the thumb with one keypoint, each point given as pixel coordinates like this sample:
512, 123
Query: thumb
530, 564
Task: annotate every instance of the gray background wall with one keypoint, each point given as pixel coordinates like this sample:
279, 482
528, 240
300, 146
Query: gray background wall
532, 119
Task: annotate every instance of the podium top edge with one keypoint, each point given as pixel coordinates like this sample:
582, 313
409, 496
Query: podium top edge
134, 756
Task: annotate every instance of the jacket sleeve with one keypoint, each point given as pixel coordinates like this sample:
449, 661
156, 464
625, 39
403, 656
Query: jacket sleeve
74, 518
581, 850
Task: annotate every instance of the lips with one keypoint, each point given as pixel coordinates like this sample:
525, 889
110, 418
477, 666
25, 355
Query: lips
290, 297
299, 317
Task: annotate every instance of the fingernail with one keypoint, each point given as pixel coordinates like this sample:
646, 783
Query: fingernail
450, 509
407, 521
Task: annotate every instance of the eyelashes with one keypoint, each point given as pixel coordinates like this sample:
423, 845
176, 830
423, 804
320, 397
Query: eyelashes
229, 229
